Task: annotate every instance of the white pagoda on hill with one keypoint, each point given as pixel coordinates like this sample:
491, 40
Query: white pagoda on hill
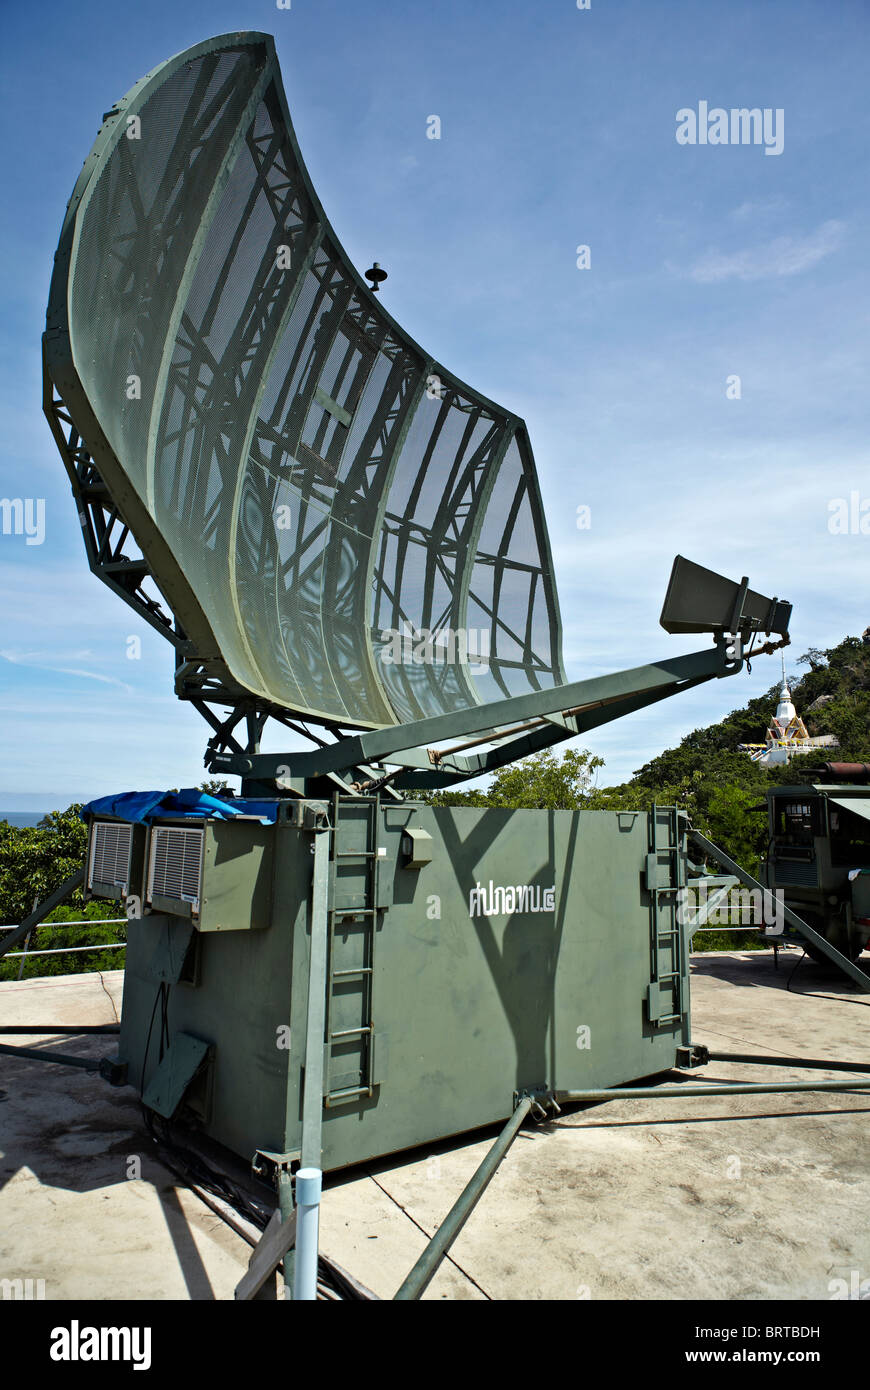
786, 735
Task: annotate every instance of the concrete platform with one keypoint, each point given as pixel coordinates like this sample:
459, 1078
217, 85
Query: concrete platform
738, 1197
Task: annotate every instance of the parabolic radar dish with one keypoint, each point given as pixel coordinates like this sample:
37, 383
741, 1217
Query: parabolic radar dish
314, 497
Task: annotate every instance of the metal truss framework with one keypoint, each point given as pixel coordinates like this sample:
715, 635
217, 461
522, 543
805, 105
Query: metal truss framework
106, 536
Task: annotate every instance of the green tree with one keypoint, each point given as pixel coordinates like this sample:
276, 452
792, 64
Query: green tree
544, 782
737, 823
34, 860
541, 782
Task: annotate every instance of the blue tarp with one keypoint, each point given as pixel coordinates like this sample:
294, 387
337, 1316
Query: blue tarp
190, 801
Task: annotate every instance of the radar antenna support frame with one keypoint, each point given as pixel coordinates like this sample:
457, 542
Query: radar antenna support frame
105, 533
547, 717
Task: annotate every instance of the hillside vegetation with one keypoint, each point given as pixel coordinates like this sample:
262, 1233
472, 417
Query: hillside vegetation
720, 787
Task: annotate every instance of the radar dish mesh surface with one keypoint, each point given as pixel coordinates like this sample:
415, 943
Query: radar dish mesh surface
325, 508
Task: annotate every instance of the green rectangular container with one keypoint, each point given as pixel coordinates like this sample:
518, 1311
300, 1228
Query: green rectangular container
473, 954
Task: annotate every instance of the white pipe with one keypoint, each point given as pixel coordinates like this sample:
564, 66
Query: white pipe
68, 950
83, 922
308, 1187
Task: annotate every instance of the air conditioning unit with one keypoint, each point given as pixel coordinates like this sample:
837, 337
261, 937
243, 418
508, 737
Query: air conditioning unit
175, 870
109, 857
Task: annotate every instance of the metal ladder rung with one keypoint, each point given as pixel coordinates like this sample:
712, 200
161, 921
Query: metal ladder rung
347, 1093
666, 941
363, 863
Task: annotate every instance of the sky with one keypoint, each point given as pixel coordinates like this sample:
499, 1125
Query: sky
700, 386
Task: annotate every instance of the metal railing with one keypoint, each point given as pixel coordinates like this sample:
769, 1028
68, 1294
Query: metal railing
79, 922
727, 928
63, 950
67, 950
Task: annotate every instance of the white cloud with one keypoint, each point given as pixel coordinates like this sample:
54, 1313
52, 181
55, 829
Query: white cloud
783, 256
756, 208
30, 659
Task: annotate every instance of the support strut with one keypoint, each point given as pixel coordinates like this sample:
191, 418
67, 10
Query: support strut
427, 1265
800, 926
42, 911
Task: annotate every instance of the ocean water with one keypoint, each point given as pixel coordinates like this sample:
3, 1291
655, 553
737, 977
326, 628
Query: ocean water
22, 818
